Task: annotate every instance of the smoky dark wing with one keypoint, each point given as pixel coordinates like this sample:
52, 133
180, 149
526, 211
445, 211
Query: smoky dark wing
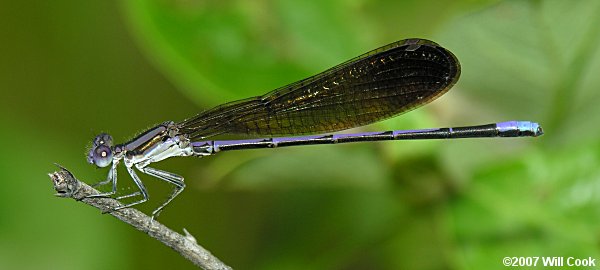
377, 85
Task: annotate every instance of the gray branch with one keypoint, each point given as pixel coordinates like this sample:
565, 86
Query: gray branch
68, 186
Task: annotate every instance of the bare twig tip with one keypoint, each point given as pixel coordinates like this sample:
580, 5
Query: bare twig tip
64, 182
66, 185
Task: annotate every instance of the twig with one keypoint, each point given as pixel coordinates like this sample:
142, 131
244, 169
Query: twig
68, 186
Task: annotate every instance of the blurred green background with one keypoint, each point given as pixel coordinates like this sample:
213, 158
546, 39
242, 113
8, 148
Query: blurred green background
72, 69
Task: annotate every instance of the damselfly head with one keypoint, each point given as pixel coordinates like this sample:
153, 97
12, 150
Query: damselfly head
101, 152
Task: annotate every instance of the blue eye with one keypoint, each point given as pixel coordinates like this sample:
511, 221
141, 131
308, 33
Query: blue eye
101, 152
102, 156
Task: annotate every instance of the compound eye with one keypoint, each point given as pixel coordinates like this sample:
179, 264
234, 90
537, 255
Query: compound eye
102, 156
100, 153
103, 139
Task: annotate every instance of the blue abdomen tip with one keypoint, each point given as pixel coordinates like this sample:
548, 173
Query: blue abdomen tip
519, 129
